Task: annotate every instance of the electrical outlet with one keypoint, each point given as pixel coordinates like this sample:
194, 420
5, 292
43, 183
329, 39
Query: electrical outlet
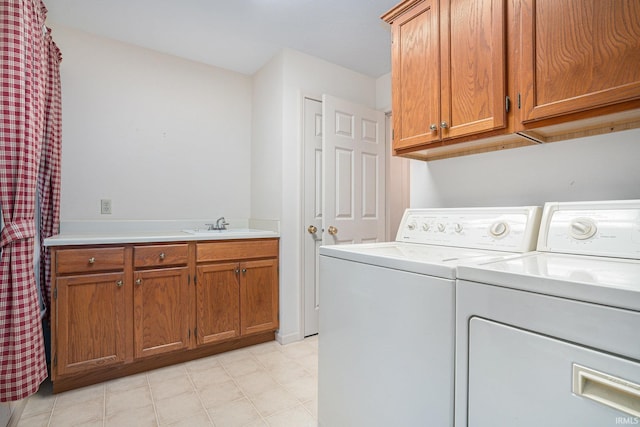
105, 206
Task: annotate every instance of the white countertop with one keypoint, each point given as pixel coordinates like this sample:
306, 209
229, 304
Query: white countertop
102, 232
154, 236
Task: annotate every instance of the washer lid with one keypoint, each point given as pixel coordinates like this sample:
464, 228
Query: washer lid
607, 281
432, 260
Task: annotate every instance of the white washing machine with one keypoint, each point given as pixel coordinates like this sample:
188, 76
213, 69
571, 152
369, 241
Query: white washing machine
386, 328
552, 337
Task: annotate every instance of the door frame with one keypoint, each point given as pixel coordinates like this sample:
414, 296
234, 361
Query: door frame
301, 209
402, 184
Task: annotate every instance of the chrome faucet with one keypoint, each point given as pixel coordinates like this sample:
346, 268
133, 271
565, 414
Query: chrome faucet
221, 224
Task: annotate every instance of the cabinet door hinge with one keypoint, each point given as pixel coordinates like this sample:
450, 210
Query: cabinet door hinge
195, 332
507, 103
55, 360
188, 279
195, 279
189, 334
519, 101
55, 293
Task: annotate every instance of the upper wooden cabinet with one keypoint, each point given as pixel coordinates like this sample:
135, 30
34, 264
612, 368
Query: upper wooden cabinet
578, 56
448, 70
478, 75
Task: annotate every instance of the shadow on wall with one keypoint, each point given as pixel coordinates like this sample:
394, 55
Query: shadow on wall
603, 167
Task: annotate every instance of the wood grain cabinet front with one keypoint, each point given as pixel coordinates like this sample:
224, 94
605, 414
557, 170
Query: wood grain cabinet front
236, 298
578, 57
161, 299
89, 309
448, 70
118, 310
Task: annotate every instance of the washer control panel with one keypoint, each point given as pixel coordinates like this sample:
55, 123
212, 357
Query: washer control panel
607, 228
512, 229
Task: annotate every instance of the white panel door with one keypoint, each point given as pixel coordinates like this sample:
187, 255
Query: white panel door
312, 210
353, 153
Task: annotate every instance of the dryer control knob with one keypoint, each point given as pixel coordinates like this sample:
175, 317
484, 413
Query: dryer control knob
499, 229
441, 227
457, 227
411, 226
582, 228
425, 226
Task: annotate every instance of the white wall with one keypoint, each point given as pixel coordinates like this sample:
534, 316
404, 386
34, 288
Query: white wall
162, 137
300, 75
604, 167
266, 141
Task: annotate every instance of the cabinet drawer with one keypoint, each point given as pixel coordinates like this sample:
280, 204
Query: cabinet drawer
158, 255
226, 251
89, 259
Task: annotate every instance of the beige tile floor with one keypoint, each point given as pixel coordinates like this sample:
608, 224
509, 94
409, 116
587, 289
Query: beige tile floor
263, 385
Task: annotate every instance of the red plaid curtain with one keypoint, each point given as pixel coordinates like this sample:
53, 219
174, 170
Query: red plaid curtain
22, 96
49, 176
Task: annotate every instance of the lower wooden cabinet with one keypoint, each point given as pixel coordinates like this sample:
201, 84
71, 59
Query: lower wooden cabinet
218, 302
237, 289
161, 311
122, 309
258, 296
91, 322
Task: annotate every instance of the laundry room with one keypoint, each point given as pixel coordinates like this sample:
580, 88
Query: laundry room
186, 161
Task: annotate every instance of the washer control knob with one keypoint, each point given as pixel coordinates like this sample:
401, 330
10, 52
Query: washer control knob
499, 229
582, 228
441, 227
425, 226
457, 227
411, 226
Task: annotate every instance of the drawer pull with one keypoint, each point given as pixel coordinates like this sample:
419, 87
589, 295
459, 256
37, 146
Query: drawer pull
244, 270
162, 256
92, 260
606, 389
138, 282
119, 283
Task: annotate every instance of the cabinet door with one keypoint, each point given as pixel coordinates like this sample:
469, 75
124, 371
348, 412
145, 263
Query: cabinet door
161, 302
90, 329
578, 55
218, 302
415, 74
258, 296
473, 62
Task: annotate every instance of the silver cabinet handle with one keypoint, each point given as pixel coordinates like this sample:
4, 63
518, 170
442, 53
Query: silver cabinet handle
119, 283
92, 260
444, 125
162, 256
244, 270
138, 282
433, 127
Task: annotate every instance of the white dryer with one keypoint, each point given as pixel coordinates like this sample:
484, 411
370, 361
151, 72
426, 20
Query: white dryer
386, 329
552, 337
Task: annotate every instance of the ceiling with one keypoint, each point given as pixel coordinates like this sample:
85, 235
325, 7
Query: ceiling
240, 35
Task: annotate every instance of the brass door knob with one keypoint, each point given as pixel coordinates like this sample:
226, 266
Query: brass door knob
312, 229
332, 230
